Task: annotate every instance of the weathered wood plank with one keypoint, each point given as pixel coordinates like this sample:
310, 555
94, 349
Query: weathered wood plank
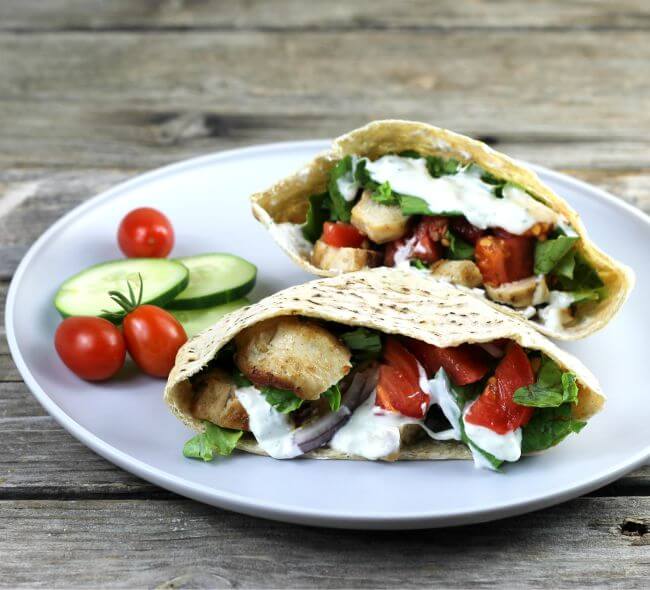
183, 544
126, 101
340, 15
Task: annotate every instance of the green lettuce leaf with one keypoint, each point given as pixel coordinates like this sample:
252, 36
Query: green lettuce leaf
333, 396
584, 277
419, 264
414, 205
552, 388
215, 439
409, 154
282, 400
438, 167
549, 253
548, 427
459, 249
340, 207
384, 195
365, 344
317, 214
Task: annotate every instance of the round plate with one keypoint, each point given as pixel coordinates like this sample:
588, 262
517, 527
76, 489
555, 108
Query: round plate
126, 421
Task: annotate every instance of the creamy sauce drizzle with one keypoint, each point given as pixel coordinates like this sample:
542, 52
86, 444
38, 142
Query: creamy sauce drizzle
463, 192
556, 313
506, 447
371, 432
273, 430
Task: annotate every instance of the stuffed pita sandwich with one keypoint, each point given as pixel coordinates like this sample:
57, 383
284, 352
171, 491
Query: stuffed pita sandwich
409, 195
378, 365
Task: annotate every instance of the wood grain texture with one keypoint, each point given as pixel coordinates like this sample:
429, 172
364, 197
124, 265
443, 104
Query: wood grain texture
141, 99
182, 544
94, 92
283, 15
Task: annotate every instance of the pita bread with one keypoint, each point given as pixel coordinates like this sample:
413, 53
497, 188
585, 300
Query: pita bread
393, 302
287, 201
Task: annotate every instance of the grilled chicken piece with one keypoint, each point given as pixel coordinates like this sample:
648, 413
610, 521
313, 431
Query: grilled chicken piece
381, 223
343, 259
516, 294
215, 400
292, 353
459, 272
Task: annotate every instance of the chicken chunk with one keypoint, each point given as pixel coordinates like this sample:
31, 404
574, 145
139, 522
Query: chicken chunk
459, 272
343, 259
215, 401
294, 354
381, 223
516, 294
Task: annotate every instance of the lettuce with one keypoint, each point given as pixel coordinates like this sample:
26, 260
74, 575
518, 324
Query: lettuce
548, 427
317, 214
384, 195
459, 249
438, 167
550, 252
340, 207
282, 400
333, 396
215, 439
365, 344
552, 388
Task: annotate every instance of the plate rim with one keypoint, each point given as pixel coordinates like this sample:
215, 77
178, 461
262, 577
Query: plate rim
279, 511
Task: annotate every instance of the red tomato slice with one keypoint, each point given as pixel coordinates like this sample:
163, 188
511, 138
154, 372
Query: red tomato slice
398, 389
464, 364
503, 259
342, 235
464, 229
426, 246
495, 409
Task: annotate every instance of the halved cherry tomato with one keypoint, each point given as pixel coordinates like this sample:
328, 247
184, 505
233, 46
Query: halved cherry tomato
465, 230
153, 337
464, 364
92, 348
145, 233
504, 258
398, 388
495, 409
342, 235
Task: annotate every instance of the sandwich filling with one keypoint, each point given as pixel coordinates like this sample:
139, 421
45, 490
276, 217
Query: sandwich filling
455, 222
294, 385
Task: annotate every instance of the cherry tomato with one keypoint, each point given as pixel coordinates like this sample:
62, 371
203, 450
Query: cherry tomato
342, 235
504, 258
153, 337
495, 409
92, 348
426, 246
398, 388
464, 364
145, 233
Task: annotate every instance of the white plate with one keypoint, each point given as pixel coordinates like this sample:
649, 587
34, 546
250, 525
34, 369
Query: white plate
126, 422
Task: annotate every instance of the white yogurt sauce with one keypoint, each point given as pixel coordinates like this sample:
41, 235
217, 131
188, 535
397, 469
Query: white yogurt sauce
371, 432
402, 258
556, 313
273, 430
346, 184
505, 447
440, 393
464, 192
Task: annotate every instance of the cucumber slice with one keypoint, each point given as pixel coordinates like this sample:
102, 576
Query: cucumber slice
86, 293
197, 320
214, 279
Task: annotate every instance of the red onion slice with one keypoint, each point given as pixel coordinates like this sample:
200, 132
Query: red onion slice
315, 435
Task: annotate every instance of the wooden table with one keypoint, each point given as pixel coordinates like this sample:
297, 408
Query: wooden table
94, 92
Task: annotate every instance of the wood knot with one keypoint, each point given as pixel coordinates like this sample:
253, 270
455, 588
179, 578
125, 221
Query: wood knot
634, 527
